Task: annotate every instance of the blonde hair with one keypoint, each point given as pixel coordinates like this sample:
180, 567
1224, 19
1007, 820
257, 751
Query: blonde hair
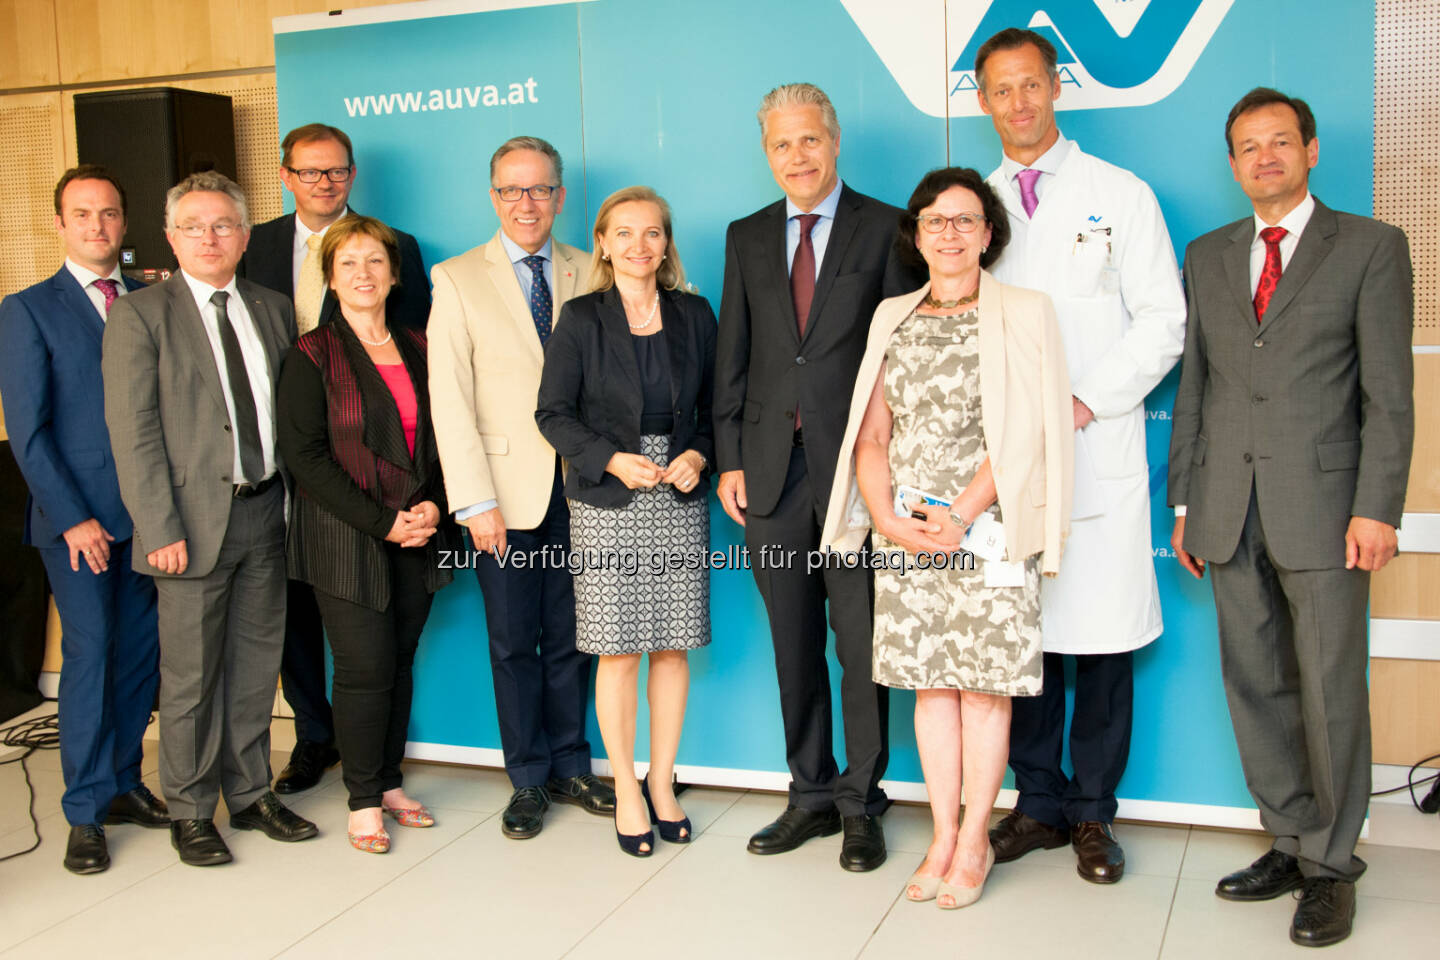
670, 275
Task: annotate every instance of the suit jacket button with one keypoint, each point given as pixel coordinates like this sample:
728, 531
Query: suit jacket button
1247, 458
1259, 343
799, 361
1258, 398
224, 479
789, 414
227, 428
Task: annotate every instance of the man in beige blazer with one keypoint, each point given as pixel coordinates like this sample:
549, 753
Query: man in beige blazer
189, 369
494, 308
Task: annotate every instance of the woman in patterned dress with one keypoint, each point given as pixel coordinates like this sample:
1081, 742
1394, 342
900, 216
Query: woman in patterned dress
625, 399
963, 396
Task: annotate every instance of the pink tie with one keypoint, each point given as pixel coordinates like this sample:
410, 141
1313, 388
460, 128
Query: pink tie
110, 290
1028, 200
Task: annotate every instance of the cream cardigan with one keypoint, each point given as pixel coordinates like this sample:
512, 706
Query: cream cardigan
1028, 421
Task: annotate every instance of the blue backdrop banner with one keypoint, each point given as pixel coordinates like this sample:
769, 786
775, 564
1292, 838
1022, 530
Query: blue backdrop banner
664, 93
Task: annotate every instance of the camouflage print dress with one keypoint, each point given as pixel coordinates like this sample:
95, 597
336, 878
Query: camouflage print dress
944, 628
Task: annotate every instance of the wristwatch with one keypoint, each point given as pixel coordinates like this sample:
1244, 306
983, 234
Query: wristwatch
959, 521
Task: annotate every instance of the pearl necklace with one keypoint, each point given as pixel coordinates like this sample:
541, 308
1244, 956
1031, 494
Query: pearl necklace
649, 319
375, 343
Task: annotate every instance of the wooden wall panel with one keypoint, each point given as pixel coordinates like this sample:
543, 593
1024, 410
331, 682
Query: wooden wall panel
31, 160
1406, 589
28, 56
1407, 136
1423, 494
164, 38
1404, 710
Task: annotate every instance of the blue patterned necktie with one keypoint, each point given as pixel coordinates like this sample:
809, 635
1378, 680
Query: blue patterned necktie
541, 306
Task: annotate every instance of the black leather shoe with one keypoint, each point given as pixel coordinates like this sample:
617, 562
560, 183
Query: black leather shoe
1325, 914
85, 851
864, 846
1098, 857
1265, 879
586, 791
1018, 833
524, 815
199, 843
274, 819
308, 763
794, 827
139, 806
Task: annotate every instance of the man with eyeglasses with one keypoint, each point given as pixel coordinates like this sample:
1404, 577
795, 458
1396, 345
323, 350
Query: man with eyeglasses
1091, 235
317, 166
189, 367
495, 307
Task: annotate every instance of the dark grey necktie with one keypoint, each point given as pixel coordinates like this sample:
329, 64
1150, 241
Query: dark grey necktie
247, 423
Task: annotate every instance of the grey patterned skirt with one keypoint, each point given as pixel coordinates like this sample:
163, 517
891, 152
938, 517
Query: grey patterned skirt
641, 583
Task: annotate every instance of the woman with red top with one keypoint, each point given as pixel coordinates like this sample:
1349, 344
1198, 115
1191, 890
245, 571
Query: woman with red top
368, 514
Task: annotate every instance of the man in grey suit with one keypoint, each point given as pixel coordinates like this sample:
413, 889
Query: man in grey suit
189, 368
1292, 429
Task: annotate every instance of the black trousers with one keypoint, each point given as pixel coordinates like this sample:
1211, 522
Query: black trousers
1099, 740
374, 651
542, 682
302, 667
795, 602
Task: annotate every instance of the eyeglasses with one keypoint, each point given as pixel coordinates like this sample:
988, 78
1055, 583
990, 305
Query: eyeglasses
963, 222
541, 191
222, 229
312, 175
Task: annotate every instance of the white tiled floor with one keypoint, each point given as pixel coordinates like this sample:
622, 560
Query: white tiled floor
463, 890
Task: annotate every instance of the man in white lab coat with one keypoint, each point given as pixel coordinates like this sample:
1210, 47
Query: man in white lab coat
1091, 235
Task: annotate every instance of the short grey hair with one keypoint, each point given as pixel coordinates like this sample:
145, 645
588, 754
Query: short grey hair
529, 143
798, 95
208, 181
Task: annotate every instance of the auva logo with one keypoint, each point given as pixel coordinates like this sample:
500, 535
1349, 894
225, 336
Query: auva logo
1112, 53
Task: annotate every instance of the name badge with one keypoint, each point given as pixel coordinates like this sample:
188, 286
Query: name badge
998, 573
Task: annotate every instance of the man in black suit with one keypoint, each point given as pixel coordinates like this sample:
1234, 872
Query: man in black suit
802, 279
317, 166
1289, 456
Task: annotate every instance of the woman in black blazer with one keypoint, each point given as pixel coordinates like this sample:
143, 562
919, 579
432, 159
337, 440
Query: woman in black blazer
368, 518
625, 399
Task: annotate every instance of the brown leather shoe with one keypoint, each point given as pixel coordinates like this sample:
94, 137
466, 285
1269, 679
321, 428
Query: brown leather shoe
1018, 833
1099, 858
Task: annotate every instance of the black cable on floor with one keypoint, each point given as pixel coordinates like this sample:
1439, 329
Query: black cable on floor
1411, 783
41, 733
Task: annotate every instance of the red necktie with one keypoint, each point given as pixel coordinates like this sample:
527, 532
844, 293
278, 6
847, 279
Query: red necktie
110, 290
802, 271
1270, 273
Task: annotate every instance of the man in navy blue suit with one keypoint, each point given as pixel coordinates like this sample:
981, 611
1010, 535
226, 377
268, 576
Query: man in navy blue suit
55, 413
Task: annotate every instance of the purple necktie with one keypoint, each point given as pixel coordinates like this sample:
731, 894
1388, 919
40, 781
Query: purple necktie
110, 290
1028, 200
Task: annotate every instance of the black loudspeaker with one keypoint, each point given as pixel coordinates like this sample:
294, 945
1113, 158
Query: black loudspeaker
151, 139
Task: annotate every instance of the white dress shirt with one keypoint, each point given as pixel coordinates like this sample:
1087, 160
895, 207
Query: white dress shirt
87, 277
819, 234
1048, 163
256, 366
1294, 224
